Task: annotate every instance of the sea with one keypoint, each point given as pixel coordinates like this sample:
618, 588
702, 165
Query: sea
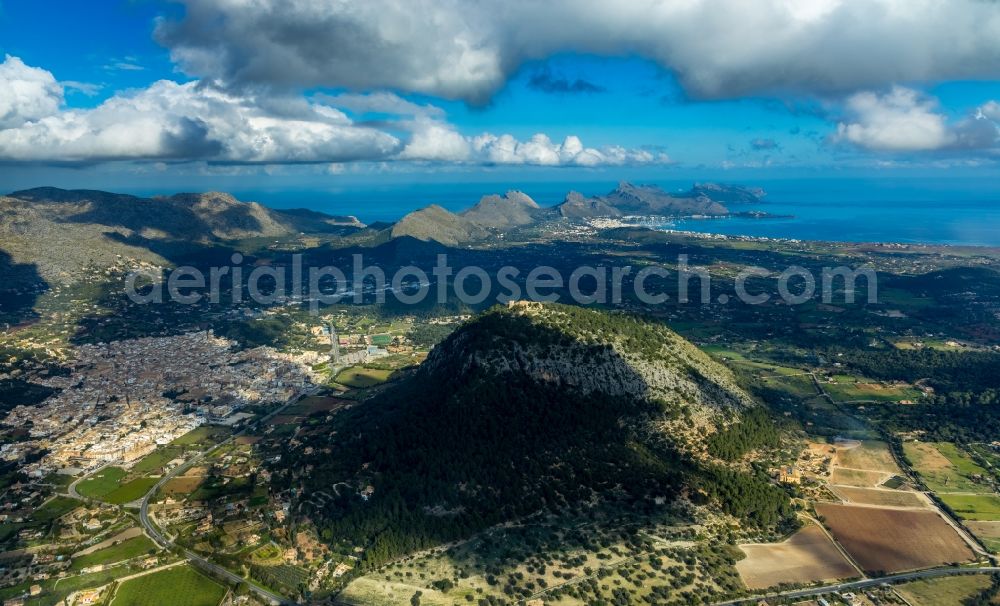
928, 211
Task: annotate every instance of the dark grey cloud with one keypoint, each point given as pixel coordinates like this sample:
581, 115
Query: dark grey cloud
467, 50
546, 81
760, 144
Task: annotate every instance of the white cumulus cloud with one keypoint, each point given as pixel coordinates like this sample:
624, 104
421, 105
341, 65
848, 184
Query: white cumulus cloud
904, 120
437, 141
900, 120
169, 120
26, 93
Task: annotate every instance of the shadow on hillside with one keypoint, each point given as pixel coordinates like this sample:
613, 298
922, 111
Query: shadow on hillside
20, 287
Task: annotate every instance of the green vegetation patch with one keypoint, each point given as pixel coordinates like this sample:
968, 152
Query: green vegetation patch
55, 508
102, 483
960, 459
944, 468
179, 586
157, 459
894, 482
126, 550
944, 592
361, 377
204, 435
849, 389
282, 576
796, 386
131, 491
984, 507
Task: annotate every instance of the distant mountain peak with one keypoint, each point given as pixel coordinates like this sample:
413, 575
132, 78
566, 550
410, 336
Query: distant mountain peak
512, 209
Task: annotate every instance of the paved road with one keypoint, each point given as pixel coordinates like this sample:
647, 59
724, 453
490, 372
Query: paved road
865, 583
197, 560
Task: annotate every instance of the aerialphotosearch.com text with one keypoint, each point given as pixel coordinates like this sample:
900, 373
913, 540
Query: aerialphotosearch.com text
320, 286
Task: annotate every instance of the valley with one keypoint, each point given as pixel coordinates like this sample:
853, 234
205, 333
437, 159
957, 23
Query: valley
505, 453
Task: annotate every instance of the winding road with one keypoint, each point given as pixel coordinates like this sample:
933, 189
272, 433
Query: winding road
164, 541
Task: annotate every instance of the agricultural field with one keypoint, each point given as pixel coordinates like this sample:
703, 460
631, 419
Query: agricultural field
181, 486
311, 404
130, 491
177, 586
799, 385
869, 455
154, 461
126, 550
845, 388
807, 556
102, 483
965, 464
946, 591
987, 532
283, 577
113, 485
55, 507
857, 477
893, 540
206, 435
360, 377
987, 453
982, 507
879, 497
944, 468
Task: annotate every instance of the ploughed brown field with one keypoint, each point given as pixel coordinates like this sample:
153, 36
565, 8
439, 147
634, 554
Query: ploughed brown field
807, 556
182, 485
894, 540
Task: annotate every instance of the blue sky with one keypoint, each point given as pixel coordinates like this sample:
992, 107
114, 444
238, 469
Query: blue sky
146, 94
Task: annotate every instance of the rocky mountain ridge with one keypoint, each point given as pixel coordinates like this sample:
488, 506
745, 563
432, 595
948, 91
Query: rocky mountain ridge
515, 209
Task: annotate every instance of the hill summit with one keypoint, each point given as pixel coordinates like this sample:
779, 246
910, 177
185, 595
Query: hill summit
524, 409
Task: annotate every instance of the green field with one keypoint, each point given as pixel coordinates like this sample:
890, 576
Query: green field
944, 468
960, 459
799, 386
943, 592
981, 507
126, 550
101, 484
360, 377
846, 388
131, 491
204, 435
178, 586
157, 459
54, 508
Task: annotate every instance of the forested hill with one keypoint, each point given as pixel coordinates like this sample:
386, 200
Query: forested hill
527, 409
